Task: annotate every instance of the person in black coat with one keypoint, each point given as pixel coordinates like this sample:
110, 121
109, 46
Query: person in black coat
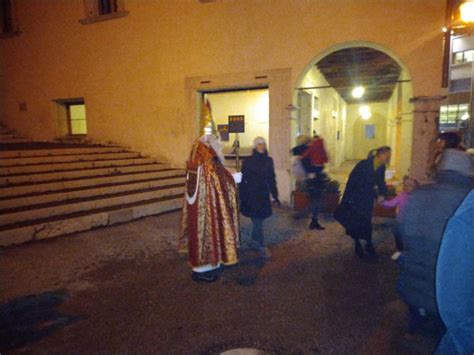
258, 183
366, 184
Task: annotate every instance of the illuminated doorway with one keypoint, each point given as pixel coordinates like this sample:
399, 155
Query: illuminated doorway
249, 104
357, 97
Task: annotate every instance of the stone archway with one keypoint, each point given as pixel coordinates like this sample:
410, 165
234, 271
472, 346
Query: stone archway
412, 144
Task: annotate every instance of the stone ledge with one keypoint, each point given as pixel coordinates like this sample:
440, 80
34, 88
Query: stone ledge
100, 18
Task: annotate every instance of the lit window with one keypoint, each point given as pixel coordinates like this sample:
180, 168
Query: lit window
77, 118
458, 58
469, 56
463, 57
453, 114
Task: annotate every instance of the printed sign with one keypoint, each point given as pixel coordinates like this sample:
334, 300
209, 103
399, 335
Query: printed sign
223, 132
237, 124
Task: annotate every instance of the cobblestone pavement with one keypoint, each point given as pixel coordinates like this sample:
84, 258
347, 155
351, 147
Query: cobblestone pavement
124, 289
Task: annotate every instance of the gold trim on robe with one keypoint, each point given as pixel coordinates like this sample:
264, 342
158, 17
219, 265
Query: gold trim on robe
210, 225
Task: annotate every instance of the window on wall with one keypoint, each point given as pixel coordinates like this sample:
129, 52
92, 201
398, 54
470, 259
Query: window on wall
463, 57
452, 114
101, 10
76, 113
7, 23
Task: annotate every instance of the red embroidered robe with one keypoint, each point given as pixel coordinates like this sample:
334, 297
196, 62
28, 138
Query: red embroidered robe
210, 226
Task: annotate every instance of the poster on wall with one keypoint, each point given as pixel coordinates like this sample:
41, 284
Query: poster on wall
223, 130
237, 124
370, 131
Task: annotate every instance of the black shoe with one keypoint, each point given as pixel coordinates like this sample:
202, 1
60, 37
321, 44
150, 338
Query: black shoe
205, 276
315, 225
359, 251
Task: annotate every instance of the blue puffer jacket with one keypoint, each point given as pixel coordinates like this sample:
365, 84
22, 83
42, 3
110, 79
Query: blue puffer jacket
455, 281
425, 218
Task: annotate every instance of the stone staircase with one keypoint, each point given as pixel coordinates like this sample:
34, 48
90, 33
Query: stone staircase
8, 136
52, 189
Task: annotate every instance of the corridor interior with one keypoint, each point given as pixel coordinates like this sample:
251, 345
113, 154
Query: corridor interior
357, 99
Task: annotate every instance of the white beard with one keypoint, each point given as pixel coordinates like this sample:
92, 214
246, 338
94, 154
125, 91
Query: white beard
215, 144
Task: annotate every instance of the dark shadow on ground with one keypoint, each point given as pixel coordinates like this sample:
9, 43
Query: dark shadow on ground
245, 273
27, 319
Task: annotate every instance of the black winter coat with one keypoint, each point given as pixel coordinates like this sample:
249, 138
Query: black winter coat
258, 182
363, 187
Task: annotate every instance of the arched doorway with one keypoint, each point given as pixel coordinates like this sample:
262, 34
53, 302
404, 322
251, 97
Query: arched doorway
357, 97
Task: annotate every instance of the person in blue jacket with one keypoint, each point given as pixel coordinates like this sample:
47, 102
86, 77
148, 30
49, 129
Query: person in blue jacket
455, 281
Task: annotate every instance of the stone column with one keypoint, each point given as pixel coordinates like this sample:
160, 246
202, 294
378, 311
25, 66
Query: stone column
425, 131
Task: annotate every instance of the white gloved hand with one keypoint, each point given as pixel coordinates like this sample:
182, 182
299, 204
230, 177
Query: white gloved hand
237, 177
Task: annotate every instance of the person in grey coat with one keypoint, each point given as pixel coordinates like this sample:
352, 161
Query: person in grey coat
427, 213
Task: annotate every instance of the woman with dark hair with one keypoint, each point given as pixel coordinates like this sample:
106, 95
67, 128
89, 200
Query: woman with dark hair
366, 184
447, 144
258, 183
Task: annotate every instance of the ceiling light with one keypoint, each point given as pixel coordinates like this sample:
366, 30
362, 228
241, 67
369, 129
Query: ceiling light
467, 11
364, 112
358, 92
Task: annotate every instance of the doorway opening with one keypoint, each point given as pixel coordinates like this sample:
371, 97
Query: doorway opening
250, 105
357, 98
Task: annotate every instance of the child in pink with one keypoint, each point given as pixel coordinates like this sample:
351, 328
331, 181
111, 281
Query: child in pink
400, 201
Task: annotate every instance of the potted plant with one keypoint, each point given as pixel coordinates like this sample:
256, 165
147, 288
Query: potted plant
300, 197
331, 196
329, 199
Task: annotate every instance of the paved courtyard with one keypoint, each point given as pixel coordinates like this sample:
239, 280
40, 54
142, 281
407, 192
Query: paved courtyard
124, 289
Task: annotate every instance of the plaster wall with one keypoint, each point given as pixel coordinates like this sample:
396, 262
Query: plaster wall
358, 144
132, 72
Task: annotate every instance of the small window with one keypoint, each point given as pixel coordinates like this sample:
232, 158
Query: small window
7, 21
458, 58
101, 10
453, 114
463, 57
469, 56
77, 118
107, 6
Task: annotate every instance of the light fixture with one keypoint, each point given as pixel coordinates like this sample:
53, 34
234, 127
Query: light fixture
364, 112
465, 117
444, 29
358, 92
467, 11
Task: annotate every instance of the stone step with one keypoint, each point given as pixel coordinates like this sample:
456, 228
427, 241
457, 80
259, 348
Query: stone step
7, 135
13, 140
43, 152
78, 193
48, 176
83, 221
20, 161
12, 217
29, 169
83, 182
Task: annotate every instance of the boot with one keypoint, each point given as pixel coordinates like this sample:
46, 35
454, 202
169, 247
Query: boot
206, 277
315, 225
358, 250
